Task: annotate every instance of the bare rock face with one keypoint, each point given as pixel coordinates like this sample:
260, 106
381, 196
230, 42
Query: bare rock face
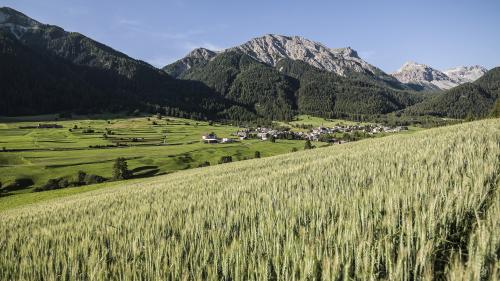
425, 76
464, 74
433, 79
271, 48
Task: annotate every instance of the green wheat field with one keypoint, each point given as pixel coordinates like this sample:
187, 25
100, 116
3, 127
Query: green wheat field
421, 206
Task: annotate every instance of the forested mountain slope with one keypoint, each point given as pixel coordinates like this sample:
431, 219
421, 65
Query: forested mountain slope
475, 99
72, 72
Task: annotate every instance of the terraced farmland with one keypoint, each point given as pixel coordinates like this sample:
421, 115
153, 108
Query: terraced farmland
152, 146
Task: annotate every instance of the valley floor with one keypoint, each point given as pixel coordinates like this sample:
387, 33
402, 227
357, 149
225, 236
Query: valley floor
151, 146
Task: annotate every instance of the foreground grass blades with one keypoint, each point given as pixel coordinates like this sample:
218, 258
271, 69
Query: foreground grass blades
422, 206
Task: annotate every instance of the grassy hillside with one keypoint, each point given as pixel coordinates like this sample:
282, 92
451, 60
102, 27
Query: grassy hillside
422, 206
43, 154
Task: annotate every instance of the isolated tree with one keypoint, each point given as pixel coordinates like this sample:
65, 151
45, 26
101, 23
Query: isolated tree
308, 145
225, 159
294, 149
204, 164
120, 169
81, 177
257, 154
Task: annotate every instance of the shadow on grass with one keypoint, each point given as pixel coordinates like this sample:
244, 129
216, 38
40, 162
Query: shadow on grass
144, 171
5, 194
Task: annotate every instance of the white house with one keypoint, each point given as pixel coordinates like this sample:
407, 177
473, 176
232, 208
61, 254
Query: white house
210, 138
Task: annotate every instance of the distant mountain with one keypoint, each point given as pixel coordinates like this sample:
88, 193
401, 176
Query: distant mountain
97, 74
476, 99
293, 86
427, 78
464, 74
271, 48
424, 76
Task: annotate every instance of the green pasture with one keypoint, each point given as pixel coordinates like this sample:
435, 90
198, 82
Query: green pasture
42, 154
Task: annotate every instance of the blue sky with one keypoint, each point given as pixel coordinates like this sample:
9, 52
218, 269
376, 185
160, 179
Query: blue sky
386, 33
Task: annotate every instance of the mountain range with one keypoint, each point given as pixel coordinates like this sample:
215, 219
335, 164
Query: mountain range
45, 69
421, 75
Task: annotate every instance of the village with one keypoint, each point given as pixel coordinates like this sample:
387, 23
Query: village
336, 134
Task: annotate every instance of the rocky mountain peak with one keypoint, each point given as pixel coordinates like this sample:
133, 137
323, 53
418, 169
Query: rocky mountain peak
346, 52
272, 48
430, 78
202, 53
411, 71
464, 74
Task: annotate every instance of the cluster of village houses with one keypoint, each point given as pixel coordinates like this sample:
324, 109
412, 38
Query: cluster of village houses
312, 135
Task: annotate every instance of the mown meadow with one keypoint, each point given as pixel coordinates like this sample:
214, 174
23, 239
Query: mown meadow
423, 206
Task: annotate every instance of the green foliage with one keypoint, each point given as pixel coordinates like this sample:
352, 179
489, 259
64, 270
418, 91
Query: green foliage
204, 164
82, 178
120, 169
308, 145
225, 159
256, 154
424, 207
